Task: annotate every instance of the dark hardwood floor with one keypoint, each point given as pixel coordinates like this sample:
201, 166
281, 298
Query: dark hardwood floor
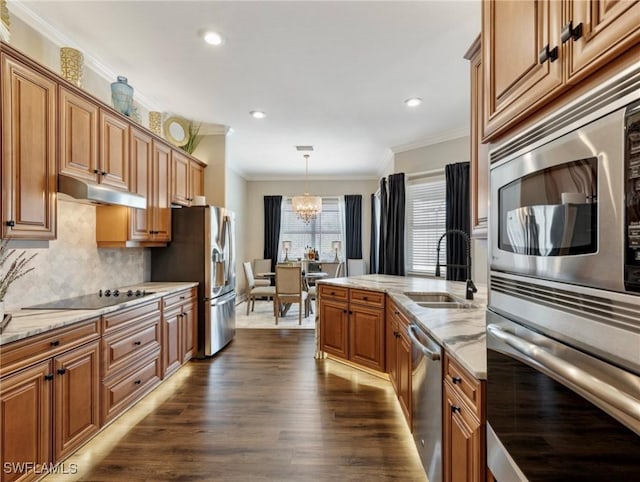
262, 410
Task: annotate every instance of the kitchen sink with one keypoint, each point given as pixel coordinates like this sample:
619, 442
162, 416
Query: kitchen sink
437, 300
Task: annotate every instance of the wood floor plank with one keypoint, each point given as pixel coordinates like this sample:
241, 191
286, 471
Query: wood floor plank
262, 410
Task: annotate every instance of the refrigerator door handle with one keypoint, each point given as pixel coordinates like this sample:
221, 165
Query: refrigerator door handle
228, 248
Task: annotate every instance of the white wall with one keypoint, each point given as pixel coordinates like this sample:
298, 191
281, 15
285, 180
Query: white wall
436, 156
237, 201
256, 190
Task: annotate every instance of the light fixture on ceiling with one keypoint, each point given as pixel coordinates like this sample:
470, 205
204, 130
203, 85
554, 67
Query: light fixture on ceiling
212, 38
258, 114
413, 102
307, 207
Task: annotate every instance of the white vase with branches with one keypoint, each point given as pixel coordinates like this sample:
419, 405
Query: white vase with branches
16, 269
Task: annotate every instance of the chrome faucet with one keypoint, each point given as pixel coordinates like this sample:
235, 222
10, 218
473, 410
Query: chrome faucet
470, 287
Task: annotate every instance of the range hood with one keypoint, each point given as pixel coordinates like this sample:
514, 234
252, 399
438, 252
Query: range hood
98, 193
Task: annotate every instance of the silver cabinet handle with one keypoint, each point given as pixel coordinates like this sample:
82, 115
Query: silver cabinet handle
570, 372
434, 355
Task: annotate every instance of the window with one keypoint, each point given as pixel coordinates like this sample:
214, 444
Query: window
318, 233
426, 218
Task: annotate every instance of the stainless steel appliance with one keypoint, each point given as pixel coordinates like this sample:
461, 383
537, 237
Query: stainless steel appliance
563, 319
202, 249
426, 400
103, 299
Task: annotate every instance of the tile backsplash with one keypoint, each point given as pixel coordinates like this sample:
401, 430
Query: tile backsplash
73, 265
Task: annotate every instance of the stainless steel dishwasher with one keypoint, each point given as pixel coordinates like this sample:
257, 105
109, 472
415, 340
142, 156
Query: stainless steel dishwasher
426, 387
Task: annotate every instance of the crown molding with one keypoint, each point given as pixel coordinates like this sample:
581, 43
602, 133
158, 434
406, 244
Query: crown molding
429, 141
24, 13
276, 178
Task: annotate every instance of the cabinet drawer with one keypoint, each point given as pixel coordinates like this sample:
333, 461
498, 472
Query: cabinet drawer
122, 347
23, 353
371, 298
120, 392
335, 292
467, 386
180, 297
121, 319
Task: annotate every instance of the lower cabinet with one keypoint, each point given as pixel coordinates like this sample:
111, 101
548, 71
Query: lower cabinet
399, 358
464, 450
48, 409
352, 325
179, 328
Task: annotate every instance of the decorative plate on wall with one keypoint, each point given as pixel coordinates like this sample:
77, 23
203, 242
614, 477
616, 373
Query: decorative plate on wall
176, 130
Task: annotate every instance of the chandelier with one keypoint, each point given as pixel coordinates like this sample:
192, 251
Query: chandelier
307, 207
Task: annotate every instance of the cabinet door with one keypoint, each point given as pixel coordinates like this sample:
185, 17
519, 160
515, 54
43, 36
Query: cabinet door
141, 180
171, 360
180, 178
161, 192
462, 441
609, 28
25, 420
187, 331
196, 180
78, 136
29, 115
77, 385
366, 337
392, 352
479, 165
334, 318
114, 151
403, 352
514, 34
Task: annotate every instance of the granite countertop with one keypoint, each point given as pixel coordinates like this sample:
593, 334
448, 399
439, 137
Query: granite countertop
25, 323
460, 331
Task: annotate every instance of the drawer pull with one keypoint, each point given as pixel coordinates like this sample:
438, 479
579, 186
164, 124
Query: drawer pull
571, 32
137, 343
11, 223
55, 343
456, 380
455, 409
366, 298
48, 377
396, 334
182, 297
333, 293
62, 371
548, 54
137, 382
96, 171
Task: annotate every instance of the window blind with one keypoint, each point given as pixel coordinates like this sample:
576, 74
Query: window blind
426, 218
318, 233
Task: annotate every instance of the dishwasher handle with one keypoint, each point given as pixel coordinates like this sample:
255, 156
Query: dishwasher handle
434, 354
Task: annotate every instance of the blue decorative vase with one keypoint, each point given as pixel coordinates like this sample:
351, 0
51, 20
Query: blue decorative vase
122, 95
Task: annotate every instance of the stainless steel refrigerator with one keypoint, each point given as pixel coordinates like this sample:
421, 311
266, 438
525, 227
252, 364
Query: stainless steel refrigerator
202, 249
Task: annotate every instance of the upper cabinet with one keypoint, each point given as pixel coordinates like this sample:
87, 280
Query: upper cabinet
29, 143
187, 179
114, 151
535, 50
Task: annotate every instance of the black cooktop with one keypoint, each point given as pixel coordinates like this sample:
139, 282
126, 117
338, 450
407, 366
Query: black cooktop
91, 302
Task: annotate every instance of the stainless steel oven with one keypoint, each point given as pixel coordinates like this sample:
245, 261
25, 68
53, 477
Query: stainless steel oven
563, 318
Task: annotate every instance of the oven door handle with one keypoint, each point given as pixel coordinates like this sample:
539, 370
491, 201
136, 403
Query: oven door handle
570, 373
434, 355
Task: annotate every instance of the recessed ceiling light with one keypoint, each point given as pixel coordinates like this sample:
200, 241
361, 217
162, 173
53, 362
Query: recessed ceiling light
413, 101
212, 38
258, 114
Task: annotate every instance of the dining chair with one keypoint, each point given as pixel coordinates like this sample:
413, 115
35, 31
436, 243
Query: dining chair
356, 267
262, 266
253, 290
289, 290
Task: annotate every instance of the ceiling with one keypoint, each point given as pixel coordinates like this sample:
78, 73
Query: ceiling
329, 74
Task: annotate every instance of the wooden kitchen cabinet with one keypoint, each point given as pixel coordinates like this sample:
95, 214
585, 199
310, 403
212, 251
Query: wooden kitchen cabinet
179, 330
352, 325
479, 156
464, 450
29, 150
49, 403
187, 179
120, 226
114, 151
533, 51
399, 358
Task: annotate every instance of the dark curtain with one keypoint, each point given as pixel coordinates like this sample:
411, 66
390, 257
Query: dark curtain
394, 238
373, 244
353, 219
272, 211
382, 240
458, 217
